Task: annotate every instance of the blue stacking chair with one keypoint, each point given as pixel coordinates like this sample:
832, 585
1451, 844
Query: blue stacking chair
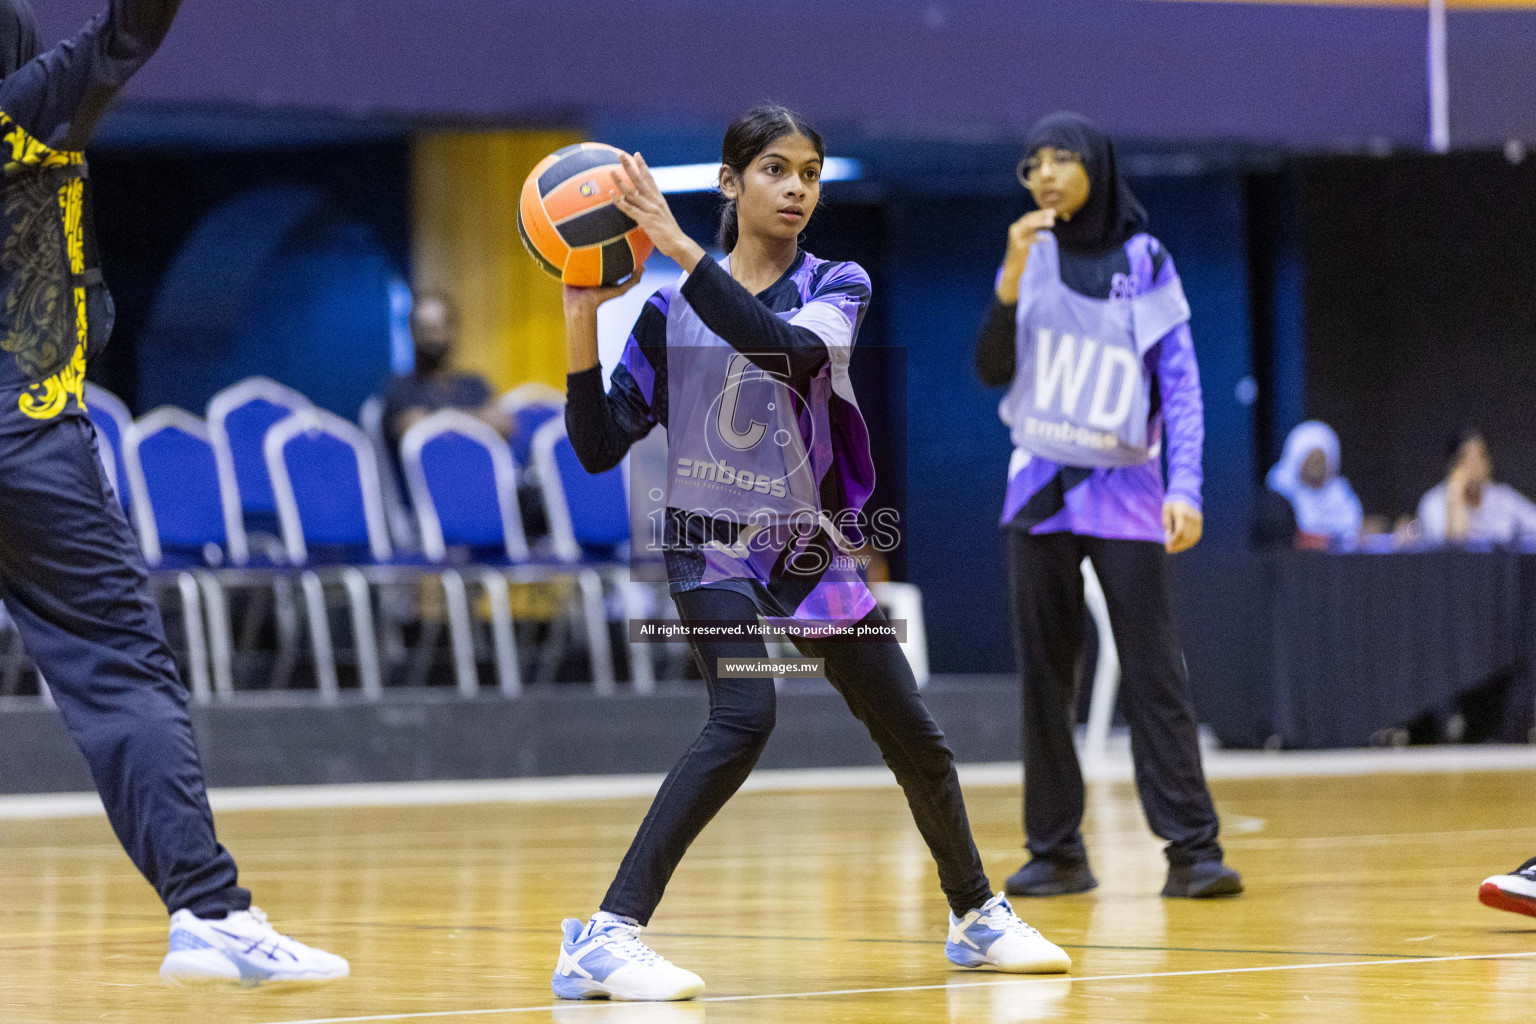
238, 420
111, 418
589, 527
530, 406
179, 513
325, 481
588, 513
463, 485
186, 525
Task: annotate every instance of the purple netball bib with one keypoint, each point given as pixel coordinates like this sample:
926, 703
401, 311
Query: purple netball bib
1080, 394
736, 432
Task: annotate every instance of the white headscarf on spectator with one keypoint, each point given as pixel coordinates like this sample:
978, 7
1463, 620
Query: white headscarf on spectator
1332, 509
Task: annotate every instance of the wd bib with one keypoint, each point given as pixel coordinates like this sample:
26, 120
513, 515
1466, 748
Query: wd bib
1080, 393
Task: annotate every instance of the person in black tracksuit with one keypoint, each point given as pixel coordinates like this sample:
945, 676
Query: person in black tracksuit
71, 574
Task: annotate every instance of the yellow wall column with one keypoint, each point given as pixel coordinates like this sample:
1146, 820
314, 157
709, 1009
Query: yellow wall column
465, 187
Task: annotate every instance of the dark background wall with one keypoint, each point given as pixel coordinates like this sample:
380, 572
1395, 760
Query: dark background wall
1420, 313
273, 261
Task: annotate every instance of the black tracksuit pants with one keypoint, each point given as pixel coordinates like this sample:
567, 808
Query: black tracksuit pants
74, 582
1050, 617
876, 681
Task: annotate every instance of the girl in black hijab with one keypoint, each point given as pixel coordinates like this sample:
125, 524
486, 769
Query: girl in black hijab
1111, 213
1090, 328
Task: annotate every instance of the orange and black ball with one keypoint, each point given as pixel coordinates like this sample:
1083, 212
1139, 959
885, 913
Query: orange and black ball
570, 224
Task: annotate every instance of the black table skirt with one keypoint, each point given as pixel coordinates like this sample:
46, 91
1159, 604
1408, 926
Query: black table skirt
1315, 650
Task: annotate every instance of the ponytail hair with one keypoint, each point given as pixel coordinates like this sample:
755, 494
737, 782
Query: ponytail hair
730, 228
745, 140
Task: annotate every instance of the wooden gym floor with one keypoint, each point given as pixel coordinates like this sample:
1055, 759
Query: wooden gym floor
816, 906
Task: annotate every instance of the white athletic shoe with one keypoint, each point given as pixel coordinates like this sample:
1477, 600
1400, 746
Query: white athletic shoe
607, 960
242, 948
993, 936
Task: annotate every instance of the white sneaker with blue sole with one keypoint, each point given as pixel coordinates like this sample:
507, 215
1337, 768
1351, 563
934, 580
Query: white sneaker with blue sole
244, 949
993, 936
607, 960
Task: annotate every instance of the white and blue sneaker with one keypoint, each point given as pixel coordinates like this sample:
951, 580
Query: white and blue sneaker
244, 949
605, 959
993, 936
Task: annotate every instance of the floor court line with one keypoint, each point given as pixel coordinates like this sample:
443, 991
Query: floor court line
833, 993
133, 934
1219, 764
716, 937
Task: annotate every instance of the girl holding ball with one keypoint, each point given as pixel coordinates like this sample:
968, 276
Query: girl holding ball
746, 364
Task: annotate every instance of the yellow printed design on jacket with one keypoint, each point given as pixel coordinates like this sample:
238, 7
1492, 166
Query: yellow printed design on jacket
42, 302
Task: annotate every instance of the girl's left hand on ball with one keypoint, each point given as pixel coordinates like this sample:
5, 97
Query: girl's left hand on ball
584, 301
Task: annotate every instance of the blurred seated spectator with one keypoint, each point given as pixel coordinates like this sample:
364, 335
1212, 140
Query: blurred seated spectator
433, 385
1327, 512
1468, 506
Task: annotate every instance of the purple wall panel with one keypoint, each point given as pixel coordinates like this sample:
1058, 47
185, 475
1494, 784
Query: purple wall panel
1301, 75
1492, 58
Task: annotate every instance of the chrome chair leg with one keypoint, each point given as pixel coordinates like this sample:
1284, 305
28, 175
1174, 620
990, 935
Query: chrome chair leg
461, 632
364, 640
642, 665
503, 638
320, 638
285, 612
220, 638
598, 647
197, 641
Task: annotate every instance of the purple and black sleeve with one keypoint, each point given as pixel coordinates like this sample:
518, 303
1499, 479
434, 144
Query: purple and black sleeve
602, 427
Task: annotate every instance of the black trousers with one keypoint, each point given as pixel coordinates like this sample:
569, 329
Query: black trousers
876, 681
74, 582
1050, 616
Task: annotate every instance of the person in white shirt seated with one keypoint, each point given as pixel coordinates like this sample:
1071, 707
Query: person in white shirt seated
1469, 507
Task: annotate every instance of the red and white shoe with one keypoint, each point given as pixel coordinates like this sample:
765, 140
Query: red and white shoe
1515, 892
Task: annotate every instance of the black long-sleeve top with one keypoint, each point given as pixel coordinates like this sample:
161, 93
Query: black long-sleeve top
54, 309
59, 98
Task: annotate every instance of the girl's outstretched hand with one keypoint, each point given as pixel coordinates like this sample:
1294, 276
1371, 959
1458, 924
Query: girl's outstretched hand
642, 200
